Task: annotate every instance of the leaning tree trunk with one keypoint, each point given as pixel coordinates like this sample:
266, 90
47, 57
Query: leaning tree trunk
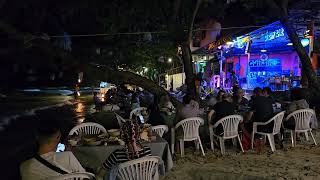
304, 58
126, 77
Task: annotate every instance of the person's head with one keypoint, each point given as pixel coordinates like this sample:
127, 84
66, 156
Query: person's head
130, 134
240, 93
257, 91
186, 99
266, 91
220, 94
48, 136
297, 94
227, 97
95, 93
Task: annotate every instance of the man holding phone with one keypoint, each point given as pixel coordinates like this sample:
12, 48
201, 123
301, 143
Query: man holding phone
47, 162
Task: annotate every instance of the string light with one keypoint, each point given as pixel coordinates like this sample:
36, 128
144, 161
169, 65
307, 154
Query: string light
151, 32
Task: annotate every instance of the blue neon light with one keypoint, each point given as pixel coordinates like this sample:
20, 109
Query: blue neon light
264, 63
274, 34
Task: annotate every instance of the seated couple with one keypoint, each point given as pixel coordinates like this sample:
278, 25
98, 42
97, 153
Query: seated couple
49, 163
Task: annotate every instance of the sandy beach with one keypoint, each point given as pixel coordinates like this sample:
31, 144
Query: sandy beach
301, 162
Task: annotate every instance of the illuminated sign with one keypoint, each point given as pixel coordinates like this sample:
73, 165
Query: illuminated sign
274, 34
264, 63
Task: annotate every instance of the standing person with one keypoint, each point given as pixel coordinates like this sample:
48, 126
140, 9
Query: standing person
234, 79
47, 162
76, 92
133, 149
97, 102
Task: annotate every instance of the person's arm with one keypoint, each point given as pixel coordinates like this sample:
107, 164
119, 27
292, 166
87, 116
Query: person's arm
74, 164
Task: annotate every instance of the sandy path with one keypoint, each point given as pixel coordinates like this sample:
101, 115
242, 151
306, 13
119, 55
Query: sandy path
301, 162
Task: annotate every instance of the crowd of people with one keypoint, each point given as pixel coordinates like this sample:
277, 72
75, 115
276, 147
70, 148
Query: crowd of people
260, 108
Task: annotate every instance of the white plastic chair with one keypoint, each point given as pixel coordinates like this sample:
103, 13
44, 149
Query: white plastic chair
230, 126
120, 119
160, 129
73, 176
190, 128
88, 128
277, 119
137, 111
302, 119
145, 168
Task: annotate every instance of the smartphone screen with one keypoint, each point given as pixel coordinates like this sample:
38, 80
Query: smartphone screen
141, 119
61, 147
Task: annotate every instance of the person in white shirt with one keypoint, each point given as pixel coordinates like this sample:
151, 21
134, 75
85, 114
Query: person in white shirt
48, 140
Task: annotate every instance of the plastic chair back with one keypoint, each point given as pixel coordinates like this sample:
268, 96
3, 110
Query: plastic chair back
302, 119
230, 125
88, 128
160, 129
145, 168
73, 176
137, 111
190, 127
277, 122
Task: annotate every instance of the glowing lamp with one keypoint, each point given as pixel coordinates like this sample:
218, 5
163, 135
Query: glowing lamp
229, 43
305, 42
263, 50
170, 60
290, 44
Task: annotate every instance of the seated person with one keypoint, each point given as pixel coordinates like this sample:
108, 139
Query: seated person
130, 134
155, 117
135, 102
299, 102
166, 104
242, 101
267, 93
261, 110
215, 99
65, 162
221, 110
188, 110
255, 93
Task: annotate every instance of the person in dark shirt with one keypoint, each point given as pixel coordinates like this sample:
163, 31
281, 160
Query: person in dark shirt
261, 110
221, 110
257, 91
155, 117
267, 93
